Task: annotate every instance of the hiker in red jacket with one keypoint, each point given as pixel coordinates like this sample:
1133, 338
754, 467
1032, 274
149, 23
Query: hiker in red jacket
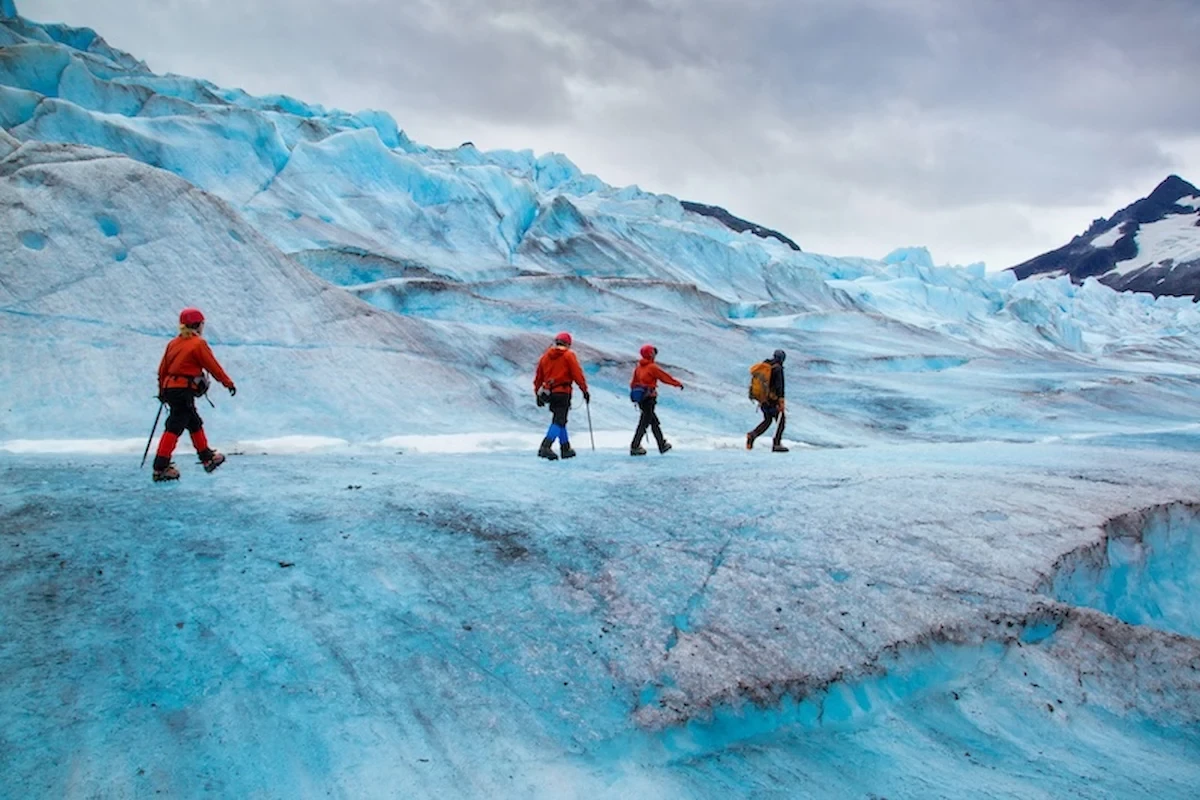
643, 390
181, 380
557, 370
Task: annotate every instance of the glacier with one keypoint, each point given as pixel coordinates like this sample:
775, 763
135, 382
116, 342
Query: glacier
974, 575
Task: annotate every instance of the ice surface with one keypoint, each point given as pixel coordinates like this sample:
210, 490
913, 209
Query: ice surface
855, 621
975, 569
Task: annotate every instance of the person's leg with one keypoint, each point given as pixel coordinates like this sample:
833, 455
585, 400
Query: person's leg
777, 443
643, 424
195, 428
560, 404
768, 413
173, 428
656, 427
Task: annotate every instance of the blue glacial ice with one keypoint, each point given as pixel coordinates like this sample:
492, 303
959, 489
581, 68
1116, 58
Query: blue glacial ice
369, 624
974, 575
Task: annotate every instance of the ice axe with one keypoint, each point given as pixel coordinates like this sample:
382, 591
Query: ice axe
152, 430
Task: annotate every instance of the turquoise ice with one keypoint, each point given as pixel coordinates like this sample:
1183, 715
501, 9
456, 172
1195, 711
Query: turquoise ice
974, 575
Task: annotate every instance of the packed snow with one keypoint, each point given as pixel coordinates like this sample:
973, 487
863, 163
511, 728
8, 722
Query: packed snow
1172, 240
1109, 237
973, 575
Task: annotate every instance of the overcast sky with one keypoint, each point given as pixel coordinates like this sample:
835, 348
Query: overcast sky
986, 130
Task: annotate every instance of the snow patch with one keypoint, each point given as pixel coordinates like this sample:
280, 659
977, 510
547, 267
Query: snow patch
1174, 237
290, 445
1108, 238
72, 446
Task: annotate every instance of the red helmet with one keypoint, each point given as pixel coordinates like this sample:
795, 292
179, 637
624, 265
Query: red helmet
563, 338
191, 317
649, 351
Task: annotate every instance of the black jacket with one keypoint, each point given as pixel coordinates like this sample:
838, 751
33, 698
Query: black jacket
776, 378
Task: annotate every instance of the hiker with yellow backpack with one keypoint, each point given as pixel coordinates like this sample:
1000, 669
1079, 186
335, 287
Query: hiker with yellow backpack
767, 389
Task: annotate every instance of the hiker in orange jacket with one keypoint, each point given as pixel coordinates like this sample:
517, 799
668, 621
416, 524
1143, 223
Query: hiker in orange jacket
557, 370
181, 380
643, 390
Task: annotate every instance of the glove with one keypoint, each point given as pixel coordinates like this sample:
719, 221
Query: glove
587, 398
681, 387
232, 391
541, 400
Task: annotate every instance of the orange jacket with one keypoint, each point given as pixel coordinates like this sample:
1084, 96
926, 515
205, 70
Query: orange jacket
188, 356
557, 369
647, 374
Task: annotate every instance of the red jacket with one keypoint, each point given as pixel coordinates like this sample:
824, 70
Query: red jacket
557, 369
188, 356
647, 374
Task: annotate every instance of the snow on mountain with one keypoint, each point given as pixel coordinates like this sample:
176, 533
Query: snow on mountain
972, 577
1150, 246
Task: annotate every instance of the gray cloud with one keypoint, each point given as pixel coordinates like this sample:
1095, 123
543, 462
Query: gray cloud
956, 117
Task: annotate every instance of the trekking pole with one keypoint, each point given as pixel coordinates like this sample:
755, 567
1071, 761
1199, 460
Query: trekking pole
152, 430
588, 405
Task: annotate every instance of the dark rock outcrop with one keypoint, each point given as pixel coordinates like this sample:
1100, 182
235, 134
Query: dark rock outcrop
1161, 274
737, 223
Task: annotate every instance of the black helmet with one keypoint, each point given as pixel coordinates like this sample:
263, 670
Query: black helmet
779, 356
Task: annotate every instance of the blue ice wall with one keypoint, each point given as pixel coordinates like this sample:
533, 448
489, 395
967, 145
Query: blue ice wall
1146, 572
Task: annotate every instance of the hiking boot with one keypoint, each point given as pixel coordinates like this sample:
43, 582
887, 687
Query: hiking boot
167, 473
546, 451
213, 460
749, 441
664, 447
567, 450
778, 448
637, 451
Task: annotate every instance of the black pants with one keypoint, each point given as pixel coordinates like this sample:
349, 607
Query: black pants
560, 405
649, 420
769, 414
183, 414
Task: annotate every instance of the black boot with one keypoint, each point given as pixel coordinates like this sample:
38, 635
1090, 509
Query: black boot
546, 452
637, 450
567, 450
664, 447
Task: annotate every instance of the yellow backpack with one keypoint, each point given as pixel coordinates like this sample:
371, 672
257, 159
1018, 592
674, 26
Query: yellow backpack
760, 382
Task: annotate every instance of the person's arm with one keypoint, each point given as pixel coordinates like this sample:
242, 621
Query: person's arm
777, 384
209, 362
538, 378
665, 377
162, 369
579, 378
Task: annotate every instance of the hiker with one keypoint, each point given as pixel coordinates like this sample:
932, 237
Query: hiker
766, 388
181, 380
557, 370
643, 390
